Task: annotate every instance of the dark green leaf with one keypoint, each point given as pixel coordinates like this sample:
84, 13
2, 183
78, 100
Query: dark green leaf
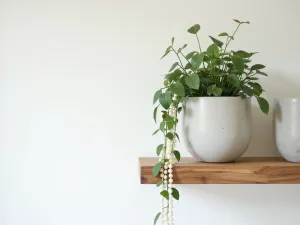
243, 96
165, 100
252, 78
197, 60
178, 89
223, 34
263, 104
156, 218
155, 132
170, 136
155, 113
234, 80
242, 54
156, 96
192, 81
177, 137
213, 51
179, 109
261, 73
175, 193
174, 66
156, 169
206, 80
194, 29
179, 50
257, 67
165, 194
247, 90
168, 50
159, 183
238, 63
159, 149
190, 55
188, 66
177, 155
216, 41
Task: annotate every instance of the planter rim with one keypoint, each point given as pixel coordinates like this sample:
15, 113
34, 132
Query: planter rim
288, 98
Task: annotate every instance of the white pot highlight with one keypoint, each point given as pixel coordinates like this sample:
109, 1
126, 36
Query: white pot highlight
217, 129
286, 121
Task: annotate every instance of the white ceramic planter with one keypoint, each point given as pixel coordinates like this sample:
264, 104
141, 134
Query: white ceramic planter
286, 121
217, 129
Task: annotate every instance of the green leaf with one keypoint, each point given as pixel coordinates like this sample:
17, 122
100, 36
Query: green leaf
193, 81
155, 113
243, 96
156, 218
162, 126
165, 194
238, 63
216, 41
179, 50
257, 67
165, 99
242, 54
156, 169
175, 193
240, 22
248, 91
177, 136
263, 104
159, 149
156, 96
178, 89
184, 46
234, 80
174, 75
155, 132
188, 66
174, 66
169, 120
217, 91
177, 155
170, 136
190, 55
261, 73
213, 51
194, 29
252, 78
223, 34
166, 83
159, 183
197, 60
179, 109
168, 50
173, 39
210, 89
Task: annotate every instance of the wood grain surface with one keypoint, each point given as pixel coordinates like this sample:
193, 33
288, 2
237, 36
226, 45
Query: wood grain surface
248, 170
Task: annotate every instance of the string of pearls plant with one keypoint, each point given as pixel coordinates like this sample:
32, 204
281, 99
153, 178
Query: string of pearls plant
215, 71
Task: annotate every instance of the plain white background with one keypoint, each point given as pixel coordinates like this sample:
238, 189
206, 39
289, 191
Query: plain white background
76, 86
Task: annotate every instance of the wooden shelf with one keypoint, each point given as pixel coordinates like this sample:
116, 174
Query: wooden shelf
257, 170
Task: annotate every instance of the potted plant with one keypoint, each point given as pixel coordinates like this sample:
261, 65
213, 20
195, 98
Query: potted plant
212, 87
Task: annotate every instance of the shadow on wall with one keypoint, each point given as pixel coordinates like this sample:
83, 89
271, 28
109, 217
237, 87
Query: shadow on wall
276, 86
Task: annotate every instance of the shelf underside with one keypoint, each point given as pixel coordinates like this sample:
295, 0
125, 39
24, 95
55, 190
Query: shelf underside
247, 170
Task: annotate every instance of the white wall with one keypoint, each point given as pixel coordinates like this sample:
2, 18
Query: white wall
76, 86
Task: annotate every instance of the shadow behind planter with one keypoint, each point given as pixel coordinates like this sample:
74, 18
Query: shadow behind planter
217, 129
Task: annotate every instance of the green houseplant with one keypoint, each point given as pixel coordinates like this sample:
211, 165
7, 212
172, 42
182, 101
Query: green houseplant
215, 71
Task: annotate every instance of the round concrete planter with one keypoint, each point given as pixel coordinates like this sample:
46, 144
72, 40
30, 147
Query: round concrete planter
217, 129
286, 121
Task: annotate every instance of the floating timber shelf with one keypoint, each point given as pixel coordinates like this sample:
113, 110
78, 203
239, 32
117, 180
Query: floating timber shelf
247, 170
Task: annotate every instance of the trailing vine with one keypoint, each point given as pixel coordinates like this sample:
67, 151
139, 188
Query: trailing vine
214, 72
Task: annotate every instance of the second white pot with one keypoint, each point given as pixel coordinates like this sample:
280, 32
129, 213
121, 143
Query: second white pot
217, 129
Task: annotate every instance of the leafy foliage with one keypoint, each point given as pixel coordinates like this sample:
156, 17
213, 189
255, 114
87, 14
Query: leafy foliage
216, 71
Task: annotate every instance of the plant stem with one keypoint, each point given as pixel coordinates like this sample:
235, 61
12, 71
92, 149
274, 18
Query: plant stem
198, 43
